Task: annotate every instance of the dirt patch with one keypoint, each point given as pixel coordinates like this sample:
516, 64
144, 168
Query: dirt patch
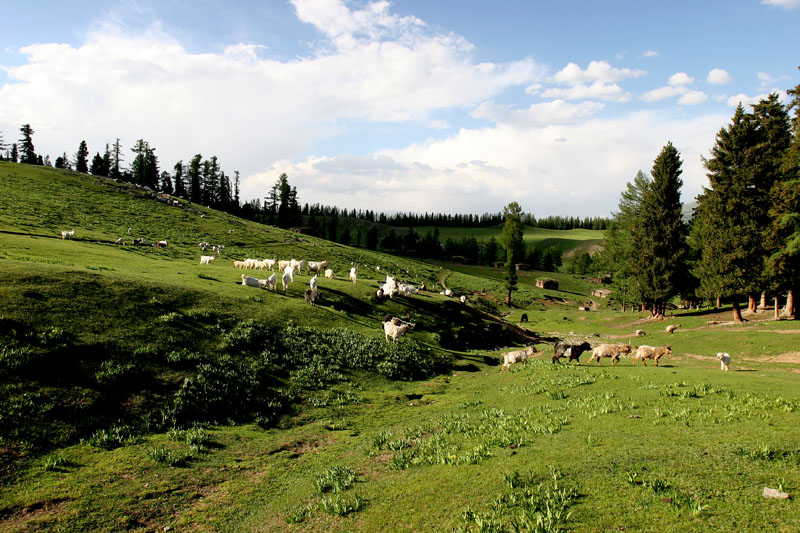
701, 357
788, 357
299, 447
15, 519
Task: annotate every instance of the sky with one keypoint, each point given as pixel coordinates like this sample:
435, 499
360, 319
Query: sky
453, 106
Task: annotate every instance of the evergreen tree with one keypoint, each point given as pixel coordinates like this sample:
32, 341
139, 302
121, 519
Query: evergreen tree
14, 154
236, 200
618, 254
193, 175
178, 180
511, 241
82, 158
27, 153
166, 183
732, 213
144, 168
658, 234
371, 242
97, 165
115, 160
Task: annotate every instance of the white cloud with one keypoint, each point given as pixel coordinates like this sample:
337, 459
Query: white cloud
439, 125
786, 4
693, 98
596, 72
597, 90
719, 76
745, 100
662, 93
649, 53
680, 79
555, 112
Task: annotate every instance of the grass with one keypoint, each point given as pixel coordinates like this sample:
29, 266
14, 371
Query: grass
98, 340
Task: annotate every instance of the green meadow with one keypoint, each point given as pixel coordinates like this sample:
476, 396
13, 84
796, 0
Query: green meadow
142, 391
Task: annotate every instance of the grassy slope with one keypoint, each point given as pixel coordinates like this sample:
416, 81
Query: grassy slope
541, 238
701, 443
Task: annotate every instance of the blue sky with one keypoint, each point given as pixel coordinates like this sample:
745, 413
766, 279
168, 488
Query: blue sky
453, 106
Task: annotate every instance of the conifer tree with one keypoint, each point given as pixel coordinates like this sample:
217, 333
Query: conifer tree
658, 234
511, 241
82, 158
733, 212
193, 175
27, 154
14, 153
179, 183
97, 166
115, 160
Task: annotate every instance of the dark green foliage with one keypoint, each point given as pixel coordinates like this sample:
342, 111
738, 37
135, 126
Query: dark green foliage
117, 435
144, 168
511, 241
82, 158
658, 234
27, 153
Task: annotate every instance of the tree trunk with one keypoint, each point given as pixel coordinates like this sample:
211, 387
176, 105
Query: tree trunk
763, 303
508, 298
719, 302
623, 306
789, 310
777, 312
751, 304
737, 313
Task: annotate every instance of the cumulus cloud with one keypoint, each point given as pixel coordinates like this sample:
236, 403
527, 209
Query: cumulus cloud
719, 76
439, 125
610, 92
596, 72
745, 99
649, 53
680, 79
555, 112
693, 98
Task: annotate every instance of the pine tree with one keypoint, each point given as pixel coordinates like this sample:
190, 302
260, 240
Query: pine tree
166, 183
97, 165
180, 185
115, 160
27, 154
658, 234
618, 253
511, 241
14, 154
733, 212
193, 175
236, 199
82, 158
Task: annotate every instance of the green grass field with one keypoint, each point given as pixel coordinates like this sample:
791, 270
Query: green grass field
101, 343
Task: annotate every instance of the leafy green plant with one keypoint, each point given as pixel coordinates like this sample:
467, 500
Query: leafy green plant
335, 479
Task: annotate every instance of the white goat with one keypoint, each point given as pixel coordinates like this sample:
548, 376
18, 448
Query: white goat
724, 360
396, 328
289, 271
354, 273
206, 259
672, 327
283, 264
313, 283
238, 264
162, 244
328, 274
463, 299
286, 279
67, 234
272, 282
317, 266
518, 356
250, 281
269, 263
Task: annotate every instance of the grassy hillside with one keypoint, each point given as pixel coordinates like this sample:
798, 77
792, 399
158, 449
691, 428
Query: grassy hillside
142, 391
541, 238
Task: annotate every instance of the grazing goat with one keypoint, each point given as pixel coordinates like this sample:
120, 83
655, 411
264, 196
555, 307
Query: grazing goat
328, 274
239, 264
67, 234
614, 351
390, 286
463, 299
250, 281
283, 264
317, 266
651, 352
269, 264
640, 333
310, 296
161, 244
523, 318
286, 279
672, 327
517, 357
572, 351
120, 241
313, 283
272, 282
354, 274
289, 271
395, 328
206, 259
724, 360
